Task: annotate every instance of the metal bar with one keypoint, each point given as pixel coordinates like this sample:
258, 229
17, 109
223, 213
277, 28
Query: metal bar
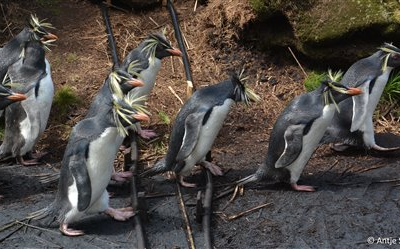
178, 35
110, 36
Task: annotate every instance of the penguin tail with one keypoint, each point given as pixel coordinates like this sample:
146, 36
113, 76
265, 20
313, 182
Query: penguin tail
248, 179
159, 167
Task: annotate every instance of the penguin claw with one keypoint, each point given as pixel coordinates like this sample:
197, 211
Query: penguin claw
147, 134
121, 214
186, 184
214, 169
70, 232
340, 147
31, 162
303, 188
121, 176
382, 149
38, 155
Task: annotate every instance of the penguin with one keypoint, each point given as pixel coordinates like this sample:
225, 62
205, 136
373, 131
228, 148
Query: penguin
26, 121
297, 132
36, 30
100, 102
87, 164
196, 127
145, 62
7, 97
355, 127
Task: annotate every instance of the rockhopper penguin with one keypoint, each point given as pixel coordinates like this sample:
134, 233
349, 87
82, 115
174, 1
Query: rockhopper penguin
355, 127
8, 97
145, 63
297, 133
101, 100
26, 121
197, 125
88, 162
37, 30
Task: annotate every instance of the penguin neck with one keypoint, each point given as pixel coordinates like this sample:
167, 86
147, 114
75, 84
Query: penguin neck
337, 97
22, 37
148, 76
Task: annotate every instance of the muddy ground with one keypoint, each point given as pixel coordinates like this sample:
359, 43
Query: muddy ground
358, 192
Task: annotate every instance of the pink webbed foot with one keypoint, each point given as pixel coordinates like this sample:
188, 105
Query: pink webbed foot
38, 155
147, 134
186, 184
214, 169
120, 214
30, 162
121, 176
340, 147
70, 232
303, 188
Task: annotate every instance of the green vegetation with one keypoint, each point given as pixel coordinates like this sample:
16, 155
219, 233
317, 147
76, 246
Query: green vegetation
164, 117
65, 99
72, 57
313, 80
391, 92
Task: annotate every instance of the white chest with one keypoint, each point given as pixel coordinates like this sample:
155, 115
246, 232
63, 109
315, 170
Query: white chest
311, 140
377, 91
37, 110
45, 97
102, 153
208, 133
149, 78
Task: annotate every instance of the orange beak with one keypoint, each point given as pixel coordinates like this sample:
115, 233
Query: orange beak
49, 36
136, 82
174, 52
354, 91
141, 117
17, 97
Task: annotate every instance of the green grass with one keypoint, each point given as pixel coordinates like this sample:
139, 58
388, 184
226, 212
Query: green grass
72, 57
164, 117
313, 80
391, 92
65, 99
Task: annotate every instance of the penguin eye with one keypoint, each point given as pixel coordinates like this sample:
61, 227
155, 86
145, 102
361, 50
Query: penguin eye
396, 56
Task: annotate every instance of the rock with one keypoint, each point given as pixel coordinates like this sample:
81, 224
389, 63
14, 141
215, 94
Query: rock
325, 29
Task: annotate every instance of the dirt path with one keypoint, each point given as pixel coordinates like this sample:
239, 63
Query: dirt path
357, 197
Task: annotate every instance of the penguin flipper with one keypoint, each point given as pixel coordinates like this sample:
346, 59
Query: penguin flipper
193, 124
360, 103
78, 168
293, 145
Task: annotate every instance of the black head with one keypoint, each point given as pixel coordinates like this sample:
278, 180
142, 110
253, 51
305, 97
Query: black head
39, 31
391, 57
8, 97
157, 46
241, 93
126, 81
334, 92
